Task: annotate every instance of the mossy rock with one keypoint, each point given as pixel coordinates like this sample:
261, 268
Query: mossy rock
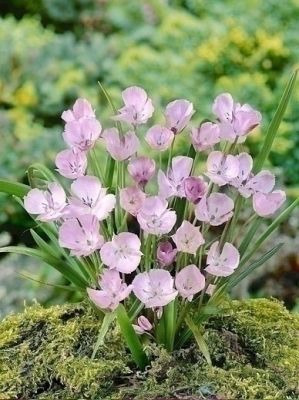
46, 354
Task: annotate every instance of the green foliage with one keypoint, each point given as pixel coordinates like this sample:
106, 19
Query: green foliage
45, 354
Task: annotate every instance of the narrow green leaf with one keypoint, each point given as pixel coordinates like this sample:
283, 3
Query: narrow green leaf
37, 172
106, 323
63, 287
42, 244
275, 123
169, 314
131, 338
13, 188
71, 275
249, 236
198, 335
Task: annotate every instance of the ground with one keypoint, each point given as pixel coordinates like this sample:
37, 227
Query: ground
45, 354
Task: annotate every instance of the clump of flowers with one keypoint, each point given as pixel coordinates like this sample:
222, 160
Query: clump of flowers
154, 244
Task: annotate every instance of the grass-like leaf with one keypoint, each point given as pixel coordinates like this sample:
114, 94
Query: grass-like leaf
197, 332
13, 188
107, 321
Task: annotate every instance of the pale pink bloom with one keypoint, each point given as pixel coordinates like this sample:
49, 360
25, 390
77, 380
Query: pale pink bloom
189, 281
265, 205
82, 109
82, 134
120, 147
48, 204
131, 199
236, 120
81, 235
142, 169
172, 184
154, 217
154, 288
143, 325
138, 106
90, 198
166, 253
112, 292
211, 289
122, 252
159, 137
215, 209
71, 163
222, 262
178, 114
222, 168
206, 136
195, 188
247, 183
188, 238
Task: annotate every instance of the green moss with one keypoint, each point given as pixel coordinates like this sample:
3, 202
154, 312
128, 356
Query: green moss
45, 354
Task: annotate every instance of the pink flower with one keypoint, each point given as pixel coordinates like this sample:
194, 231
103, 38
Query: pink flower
90, 198
206, 136
188, 238
265, 205
154, 217
172, 184
138, 106
143, 325
215, 209
166, 253
82, 134
81, 235
248, 184
71, 163
195, 188
159, 137
48, 204
222, 168
236, 120
112, 292
82, 109
131, 199
222, 262
122, 253
154, 288
120, 147
142, 169
178, 114
189, 281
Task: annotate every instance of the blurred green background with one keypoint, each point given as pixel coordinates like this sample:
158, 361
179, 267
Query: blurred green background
52, 51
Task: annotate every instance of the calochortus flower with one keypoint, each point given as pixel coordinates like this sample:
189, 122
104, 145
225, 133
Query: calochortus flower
172, 184
131, 199
142, 169
112, 291
265, 205
178, 114
214, 209
143, 325
195, 188
188, 238
90, 198
138, 106
81, 235
159, 137
82, 134
222, 262
48, 204
122, 252
154, 288
120, 147
82, 109
235, 120
154, 217
206, 136
166, 253
71, 163
189, 281
222, 168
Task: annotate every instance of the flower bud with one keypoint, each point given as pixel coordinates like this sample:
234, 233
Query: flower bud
195, 188
166, 253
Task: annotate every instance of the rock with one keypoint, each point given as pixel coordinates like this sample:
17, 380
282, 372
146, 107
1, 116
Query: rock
45, 354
